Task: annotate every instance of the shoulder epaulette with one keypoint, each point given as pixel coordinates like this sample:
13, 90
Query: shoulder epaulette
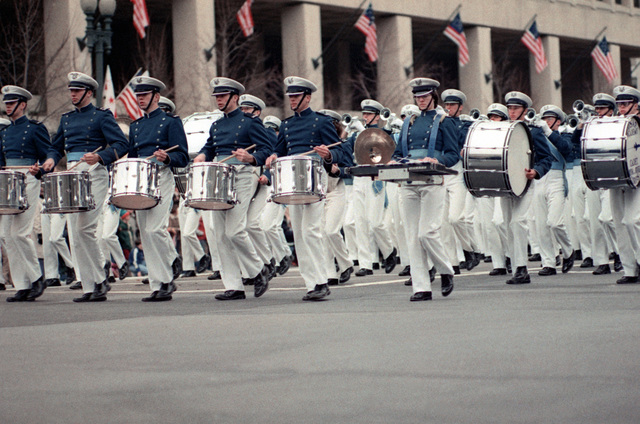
33, 121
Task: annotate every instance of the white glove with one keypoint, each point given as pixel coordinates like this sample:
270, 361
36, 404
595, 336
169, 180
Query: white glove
545, 128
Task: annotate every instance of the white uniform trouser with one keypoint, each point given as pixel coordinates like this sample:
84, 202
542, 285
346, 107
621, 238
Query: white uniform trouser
549, 209
271, 223
397, 228
159, 251
82, 227
54, 244
625, 208
515, 212
596, 201
578, 193
254, 229
192, 251
234, 246
109, 236
332, 223
207, 221
20, 248
349, 225
423, 232
371, 230
455, 225
485, 207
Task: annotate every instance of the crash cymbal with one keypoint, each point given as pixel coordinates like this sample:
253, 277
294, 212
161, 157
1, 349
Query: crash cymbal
373, 147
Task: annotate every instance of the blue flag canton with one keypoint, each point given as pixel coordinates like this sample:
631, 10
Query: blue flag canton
604, 46
456, 24
369, 14
533, 29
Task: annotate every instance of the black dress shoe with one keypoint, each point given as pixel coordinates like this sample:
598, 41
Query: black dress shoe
20, 296
508, 263
447, 284
37, 288
487, 259
363, 271
123, 271
376, 265
521, 276
151, 297
356, 263
558, 260
261, 282
204, 263
107, 269
215, 276
284, 265
176, 267
187, 274
111, 279
52, 282
2, 286
617, 263
628, 280
432, 274
406, 271
346, 275
333, 281
612, 256
546, 271
88, 297
535, 258
145, 281
587, 263
456, 269
391, 261
567, 263
71, 275
99, 292
247, 281
472, 260
579, 255
76, 286
231, 295
166, 289
498, 271
318, 293
602, 269
409, 282
272, 269
416, 297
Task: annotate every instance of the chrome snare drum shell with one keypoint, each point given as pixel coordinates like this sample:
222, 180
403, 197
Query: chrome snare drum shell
13, 192
67, 192
134, 184
297, 180
211, 186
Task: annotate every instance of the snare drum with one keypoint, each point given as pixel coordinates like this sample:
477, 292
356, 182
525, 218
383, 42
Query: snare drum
67, 192
610, 156
495, 157
13, 192
211, 186
134, 184
297, 180
180, 176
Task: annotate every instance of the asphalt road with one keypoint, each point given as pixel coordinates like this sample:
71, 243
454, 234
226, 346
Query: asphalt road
564, 349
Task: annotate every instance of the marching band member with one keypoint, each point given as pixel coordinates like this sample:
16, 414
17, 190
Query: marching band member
230, 136
306, 130
152, 135
54, 244
550, 196
515, 209
625, 203
166, 105
190, 247
429, 137
23, 143
80, 132
110, 245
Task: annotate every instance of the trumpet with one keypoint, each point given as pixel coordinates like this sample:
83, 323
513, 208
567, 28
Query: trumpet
582, 110
530, 116
475, 114
386, 113
573, 120
346, 119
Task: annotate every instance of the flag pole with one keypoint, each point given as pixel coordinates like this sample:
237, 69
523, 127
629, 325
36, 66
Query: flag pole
558, 82
426, 47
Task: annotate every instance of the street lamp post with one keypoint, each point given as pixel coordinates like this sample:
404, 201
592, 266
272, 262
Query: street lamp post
98, 36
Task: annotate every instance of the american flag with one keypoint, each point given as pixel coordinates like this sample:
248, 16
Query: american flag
108, 93
531, 39
140, 17
245, 18
128, 98
367, 26
455, 32
602, 57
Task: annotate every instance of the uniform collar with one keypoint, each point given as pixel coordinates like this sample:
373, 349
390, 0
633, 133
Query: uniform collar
87, 108
305, 112
21, 120
156, 112
233, 113
373, 126
431, 112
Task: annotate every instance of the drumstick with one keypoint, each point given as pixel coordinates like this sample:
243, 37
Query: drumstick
313, 151
16, 166
82, 160
167, 150
229, 157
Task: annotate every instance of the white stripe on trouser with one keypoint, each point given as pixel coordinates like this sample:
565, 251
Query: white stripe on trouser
109, 242
625, 208
423, 219
236, 251
494, 248
271, 223
549, 211
192, 251
578, 192
20, 248
598, 237
396, 228
515, 211
54, 244
82, 226
349, 225
159, 251
255, 231
207, 220
332, 223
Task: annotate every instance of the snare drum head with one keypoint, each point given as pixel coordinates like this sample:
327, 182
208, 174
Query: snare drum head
196, 127
518, 158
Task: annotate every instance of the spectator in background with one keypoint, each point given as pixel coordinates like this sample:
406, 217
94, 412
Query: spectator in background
124, 233
136, 259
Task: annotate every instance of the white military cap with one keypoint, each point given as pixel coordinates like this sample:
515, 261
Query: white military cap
272, 122
370, 105
518, 98
222, 85
552, 110
498, 109
408, 110
453, 96
165, 103
12, 93
4, 123
604, 99
423, 86
251, 101
331, 114
626, 93
297, 85
144, 85
396, 124
80, 80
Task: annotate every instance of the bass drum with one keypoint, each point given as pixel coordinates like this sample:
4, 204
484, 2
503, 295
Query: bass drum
495, 157
610, 156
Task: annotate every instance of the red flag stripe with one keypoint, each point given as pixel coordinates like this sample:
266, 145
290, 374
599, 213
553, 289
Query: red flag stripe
140, 17
245, 18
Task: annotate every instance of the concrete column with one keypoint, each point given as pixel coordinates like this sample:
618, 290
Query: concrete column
395, 51
344, 72
63, 22
301, 42
600, 83
193, 32
543, 89
473, 76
